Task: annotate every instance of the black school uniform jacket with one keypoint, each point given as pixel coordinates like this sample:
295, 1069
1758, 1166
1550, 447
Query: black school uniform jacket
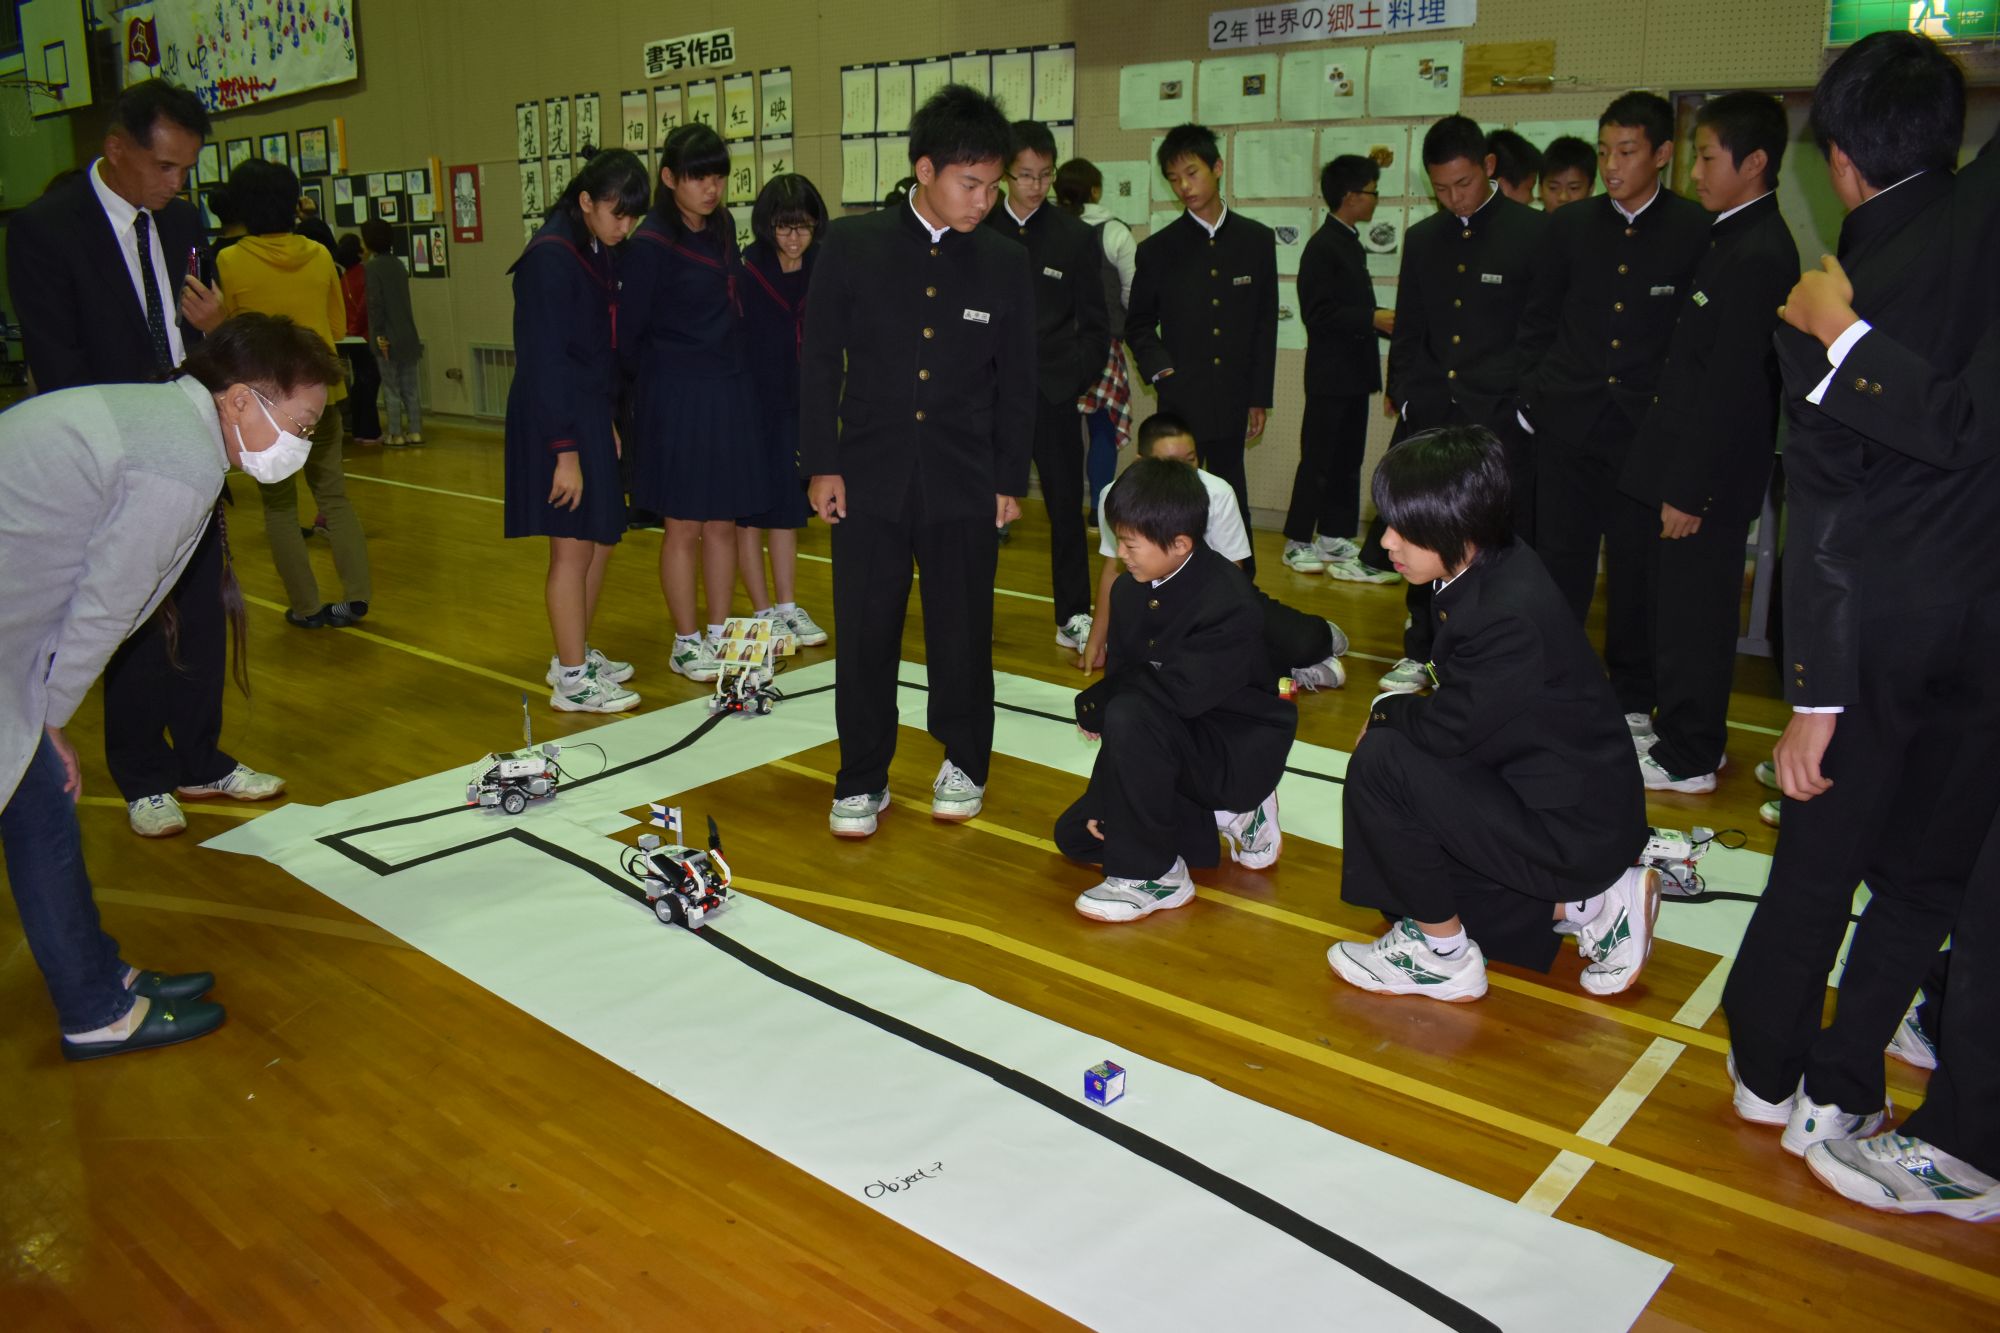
1706, 446
1337, 300
1595, 332
1071, 328
1873, 533
1206, 308
1195, 645
82, 320
565, 340
1520, 692
1456, 355
918, 376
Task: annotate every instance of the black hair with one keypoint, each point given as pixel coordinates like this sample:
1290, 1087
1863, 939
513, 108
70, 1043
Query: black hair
347, 250
958, 126
1031, 136
1347, 174
223, 205
378, 236
1452, 138
1515, 160
1183, 140
1161, 426
1569, 153
1447, 490
1744, 122
1076, 180
1895, 103
140, 107
616, 174
1159, 501
788, 200
899, 192
1649, 113
265, 195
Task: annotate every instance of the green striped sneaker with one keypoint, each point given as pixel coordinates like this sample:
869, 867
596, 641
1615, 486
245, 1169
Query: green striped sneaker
1402, 962
1899, 1174
1129, 899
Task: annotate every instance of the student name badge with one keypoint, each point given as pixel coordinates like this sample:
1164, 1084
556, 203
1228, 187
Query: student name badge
1493, 278
979, 316
1663, 291
1055, 273
1243, 281
1699, 298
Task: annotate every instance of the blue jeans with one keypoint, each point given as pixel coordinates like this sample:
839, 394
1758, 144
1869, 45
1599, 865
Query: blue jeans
44, 849
1101, 465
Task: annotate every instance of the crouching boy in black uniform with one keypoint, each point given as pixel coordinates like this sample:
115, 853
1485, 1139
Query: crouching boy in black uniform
1194, 733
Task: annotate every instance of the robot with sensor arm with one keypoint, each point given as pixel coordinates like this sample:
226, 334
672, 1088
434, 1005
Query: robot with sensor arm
1675, 854
511, 780
684, 886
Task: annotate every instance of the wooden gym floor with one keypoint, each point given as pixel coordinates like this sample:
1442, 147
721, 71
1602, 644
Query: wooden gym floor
374, 1141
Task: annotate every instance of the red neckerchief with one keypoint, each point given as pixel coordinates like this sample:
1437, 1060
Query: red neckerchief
726, 265
797, 312
602, 279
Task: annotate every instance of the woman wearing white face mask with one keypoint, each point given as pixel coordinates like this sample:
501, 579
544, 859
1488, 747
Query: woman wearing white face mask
103, 494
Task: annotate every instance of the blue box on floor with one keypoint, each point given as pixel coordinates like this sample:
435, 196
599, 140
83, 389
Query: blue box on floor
1103, 1084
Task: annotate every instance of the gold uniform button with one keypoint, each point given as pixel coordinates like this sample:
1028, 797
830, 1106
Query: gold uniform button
1149, 643
934, 249
1456, 303
1444, 615
1616, 343
1215, 300
930, 333
1875, 389
1024, 231
1631, 231
1798, 666
1461, 268
925, 374
1217, 332
930, 291
1624, 268
1214, 273
1153, 605
1610, 379
920, 414
1617, 305
1802, 680
1451, 374
1861, 386
1454, 339
1211, 242
1218, 361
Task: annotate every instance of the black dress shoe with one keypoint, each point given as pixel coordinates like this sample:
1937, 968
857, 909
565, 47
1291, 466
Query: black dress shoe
181, 986
167, 1023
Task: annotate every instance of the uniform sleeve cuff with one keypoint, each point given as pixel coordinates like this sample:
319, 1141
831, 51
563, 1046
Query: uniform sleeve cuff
1829, 708
1844, 344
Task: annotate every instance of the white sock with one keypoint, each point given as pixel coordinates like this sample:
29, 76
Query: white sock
119, 1030
715, 631
1446, 946
1584, 912
765, 614
571, 675
785, 608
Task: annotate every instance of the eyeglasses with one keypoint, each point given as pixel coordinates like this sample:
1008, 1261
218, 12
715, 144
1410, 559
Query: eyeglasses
794, 229
1038, 178
302, 428
1371, 193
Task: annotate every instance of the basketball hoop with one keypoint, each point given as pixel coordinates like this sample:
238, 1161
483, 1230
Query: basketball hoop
22, 99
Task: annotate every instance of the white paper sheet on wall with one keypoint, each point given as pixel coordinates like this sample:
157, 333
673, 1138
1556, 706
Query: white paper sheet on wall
635, 116
1163, 193
1014, 83
527, 130
534, 202
701, 103
1290, 227
556, 118
1055, 83
857, 171
857, 101
774, 95
1388, 145
1382, 239
739, 106
1385, 297
894, 83
1126, 191
1541, 132
1415, 79
973, 69
1291, 320
1272, 164
1156, 97
1239, 90
742, 171
1160, 217
928, 77
1326, 83
777, 159
589, 128
669, 112
892, 162
1065, 137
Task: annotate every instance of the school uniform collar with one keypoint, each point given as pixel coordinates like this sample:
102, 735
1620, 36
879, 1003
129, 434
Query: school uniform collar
1883, 214
1632, 215
1194, 551
1729, 213
1019, 221
1492, 193
1220, 218
936, 233
1351, 228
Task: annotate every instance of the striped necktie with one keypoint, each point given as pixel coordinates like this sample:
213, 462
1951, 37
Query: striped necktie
156, 311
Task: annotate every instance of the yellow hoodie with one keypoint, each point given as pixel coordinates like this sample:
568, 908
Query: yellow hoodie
290, 275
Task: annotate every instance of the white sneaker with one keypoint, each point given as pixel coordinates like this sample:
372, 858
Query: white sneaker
1253, 836
1402, 962
1898, 1174
1768, 812
1910, 1044
1657, 778
1767, 773
1120, 900
1337, 640
592, 694
614, 672
803, 627
1820, 1122
1336, 548
695, 659
1406, 677
1619, 939
854, 816
1327, 675
1074, 632
1303, 558
1353, 571
156, 816
241, 783
1752, 1107
1641, 727
954, 796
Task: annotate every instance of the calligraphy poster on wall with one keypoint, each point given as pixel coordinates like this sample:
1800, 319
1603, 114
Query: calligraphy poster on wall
242, 53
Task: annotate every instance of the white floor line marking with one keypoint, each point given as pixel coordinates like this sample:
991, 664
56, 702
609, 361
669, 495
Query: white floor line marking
433, 490
1555, 1183
1702, 1002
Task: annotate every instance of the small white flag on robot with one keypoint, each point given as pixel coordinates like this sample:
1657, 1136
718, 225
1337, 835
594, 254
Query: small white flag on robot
667, 817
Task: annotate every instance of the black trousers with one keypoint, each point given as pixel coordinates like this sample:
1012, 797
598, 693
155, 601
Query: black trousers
1431, 838
1059, 469
1154, 791
872, 560
163, 722
365, 421
1293, 638
1578, 506
1958, 1114
1326, 489
1697, 594
1224, 458
1911, 803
